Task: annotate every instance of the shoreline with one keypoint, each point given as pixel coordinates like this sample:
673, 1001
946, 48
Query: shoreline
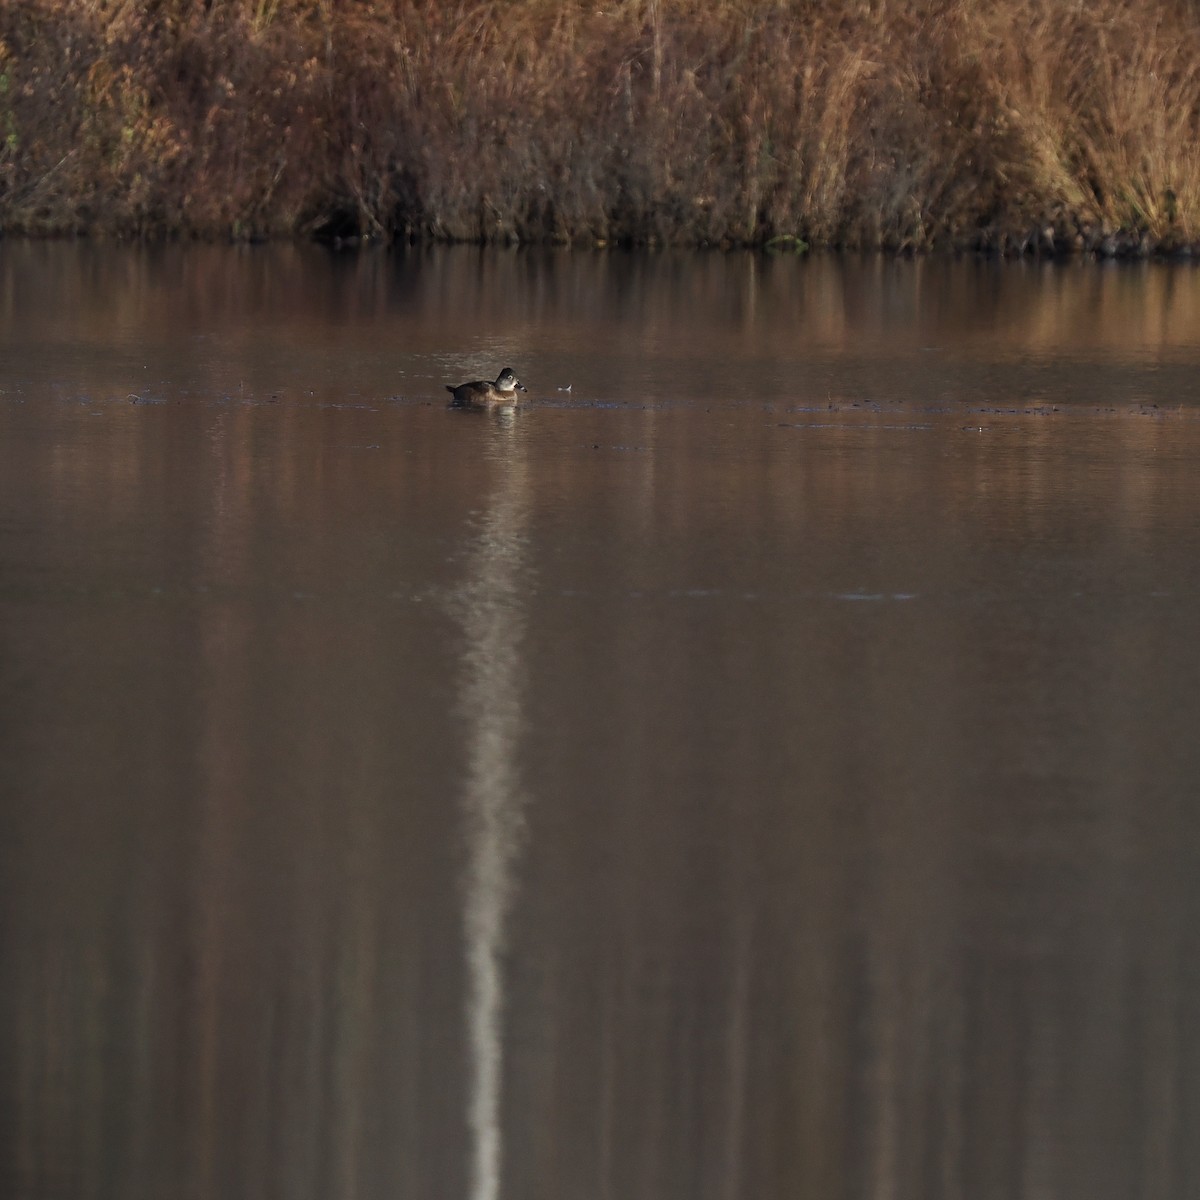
1119, 248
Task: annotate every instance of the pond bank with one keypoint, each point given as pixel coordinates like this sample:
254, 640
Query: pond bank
1023, 127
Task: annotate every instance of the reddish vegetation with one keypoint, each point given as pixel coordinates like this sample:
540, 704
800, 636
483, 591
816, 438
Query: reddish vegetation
1013, 125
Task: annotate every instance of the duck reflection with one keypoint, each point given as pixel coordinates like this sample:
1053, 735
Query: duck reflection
492, 615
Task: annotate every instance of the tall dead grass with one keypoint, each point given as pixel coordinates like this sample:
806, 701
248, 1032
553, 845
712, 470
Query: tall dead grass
911, 123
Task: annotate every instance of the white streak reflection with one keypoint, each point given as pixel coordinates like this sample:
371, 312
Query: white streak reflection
492, 614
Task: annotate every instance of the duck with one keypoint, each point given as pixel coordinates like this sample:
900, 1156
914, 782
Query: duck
482, 393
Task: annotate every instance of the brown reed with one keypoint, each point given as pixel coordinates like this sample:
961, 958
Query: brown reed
1021, 124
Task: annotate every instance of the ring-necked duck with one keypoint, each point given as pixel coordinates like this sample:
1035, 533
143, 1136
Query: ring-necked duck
483, 394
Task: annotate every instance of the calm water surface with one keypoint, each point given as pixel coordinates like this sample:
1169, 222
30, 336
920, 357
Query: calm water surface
769, 768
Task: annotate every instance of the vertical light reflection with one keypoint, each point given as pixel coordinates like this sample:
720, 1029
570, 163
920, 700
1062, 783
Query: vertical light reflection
737, 1052
493, 619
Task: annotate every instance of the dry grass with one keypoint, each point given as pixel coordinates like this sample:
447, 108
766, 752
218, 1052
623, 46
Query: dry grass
903, 123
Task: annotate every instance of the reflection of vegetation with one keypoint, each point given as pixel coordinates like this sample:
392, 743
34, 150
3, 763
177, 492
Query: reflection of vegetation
1015, 125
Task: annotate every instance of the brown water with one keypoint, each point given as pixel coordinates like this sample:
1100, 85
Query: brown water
768, 769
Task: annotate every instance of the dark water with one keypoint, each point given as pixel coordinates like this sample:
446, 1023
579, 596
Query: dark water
768, 769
